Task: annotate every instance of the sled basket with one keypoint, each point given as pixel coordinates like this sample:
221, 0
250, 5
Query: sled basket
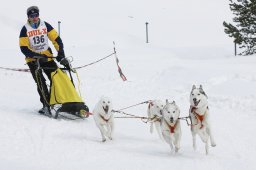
78, 109
63, 92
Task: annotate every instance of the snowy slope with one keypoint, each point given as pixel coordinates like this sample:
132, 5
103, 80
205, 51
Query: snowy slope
187, 46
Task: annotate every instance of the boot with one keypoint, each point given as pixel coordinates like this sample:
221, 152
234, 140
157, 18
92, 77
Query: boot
45, 110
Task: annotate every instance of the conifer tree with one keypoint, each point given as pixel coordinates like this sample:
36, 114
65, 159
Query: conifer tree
244, 30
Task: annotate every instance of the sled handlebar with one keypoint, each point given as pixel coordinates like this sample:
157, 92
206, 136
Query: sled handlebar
40, 57
69, 67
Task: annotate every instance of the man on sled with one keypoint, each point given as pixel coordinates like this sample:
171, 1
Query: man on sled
34, 45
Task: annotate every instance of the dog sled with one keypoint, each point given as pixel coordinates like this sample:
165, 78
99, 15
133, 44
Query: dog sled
64, 100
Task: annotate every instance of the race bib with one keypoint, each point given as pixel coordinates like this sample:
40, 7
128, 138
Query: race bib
38, 38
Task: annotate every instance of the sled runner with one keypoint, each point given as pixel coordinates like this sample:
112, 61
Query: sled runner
63, 95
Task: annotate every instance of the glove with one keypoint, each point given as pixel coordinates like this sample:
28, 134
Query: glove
65, 63
60, 56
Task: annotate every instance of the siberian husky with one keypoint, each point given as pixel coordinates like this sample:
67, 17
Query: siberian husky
103, 116
199, 114
154, 111
170, 125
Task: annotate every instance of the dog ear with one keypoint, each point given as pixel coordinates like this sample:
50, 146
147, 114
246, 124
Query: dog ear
202, 92
173, 102
166, 101
193, 87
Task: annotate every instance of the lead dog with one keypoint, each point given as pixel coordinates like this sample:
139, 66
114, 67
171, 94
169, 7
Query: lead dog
199, 114
103, 117
170, 125
155, 114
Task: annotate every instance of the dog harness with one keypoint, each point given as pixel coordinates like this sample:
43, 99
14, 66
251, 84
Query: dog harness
171, 128
198, 116
155, 119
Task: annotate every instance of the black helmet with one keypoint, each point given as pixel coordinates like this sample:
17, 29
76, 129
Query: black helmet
32, 10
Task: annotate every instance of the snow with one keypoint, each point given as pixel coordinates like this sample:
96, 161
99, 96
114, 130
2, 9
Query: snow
187, 45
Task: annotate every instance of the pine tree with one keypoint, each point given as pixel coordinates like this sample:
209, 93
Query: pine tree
244, 30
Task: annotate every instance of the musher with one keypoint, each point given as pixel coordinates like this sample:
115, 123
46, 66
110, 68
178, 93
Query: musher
33, 42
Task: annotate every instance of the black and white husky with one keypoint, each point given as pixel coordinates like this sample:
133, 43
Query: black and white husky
104, 119
199, 113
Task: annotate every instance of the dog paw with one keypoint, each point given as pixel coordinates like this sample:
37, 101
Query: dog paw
176, 150
207, 151
103, 140
213, 144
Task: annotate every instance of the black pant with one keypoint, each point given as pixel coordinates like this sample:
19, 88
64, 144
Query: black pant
48, 68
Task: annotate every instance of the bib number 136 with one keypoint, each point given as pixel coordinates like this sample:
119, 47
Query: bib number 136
38, 39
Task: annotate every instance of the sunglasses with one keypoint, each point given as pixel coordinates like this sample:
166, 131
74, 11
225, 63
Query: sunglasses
33, 15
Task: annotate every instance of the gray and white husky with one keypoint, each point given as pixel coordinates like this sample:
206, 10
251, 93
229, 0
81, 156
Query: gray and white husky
199, 113
104, 119
170, 125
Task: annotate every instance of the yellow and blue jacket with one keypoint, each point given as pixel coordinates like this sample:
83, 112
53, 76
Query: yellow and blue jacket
34, 41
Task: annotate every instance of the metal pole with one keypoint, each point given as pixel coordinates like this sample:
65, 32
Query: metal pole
59, 27
235, 48
146, 32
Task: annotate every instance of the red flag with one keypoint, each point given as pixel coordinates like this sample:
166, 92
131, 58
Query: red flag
119, 68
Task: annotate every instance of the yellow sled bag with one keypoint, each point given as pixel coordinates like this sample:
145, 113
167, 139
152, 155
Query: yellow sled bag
62, 89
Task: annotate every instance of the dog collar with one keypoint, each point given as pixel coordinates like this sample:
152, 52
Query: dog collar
106, 120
